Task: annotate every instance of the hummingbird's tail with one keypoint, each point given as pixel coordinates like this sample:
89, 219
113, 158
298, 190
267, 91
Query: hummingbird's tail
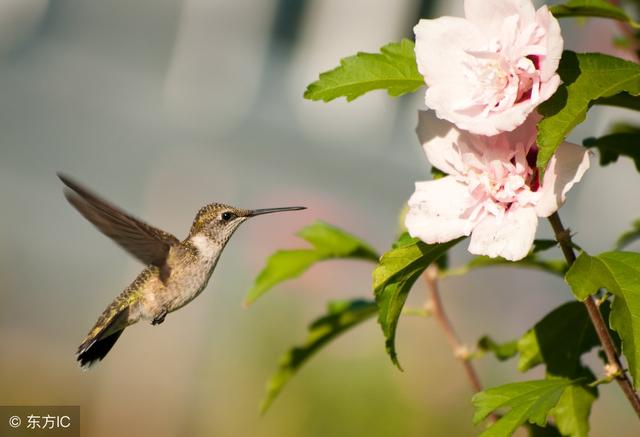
103, 336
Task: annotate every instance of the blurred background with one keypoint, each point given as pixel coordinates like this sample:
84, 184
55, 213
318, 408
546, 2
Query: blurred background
165, 106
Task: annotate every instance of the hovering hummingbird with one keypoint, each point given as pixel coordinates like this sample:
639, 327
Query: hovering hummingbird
177, 271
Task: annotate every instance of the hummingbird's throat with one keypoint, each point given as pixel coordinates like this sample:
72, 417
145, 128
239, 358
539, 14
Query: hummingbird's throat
206, 246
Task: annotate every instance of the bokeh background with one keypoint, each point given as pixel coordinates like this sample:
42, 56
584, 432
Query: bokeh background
165, 106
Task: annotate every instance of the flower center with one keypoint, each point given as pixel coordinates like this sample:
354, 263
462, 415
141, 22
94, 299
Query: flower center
501, 184
491, 76
499, 83
506, 71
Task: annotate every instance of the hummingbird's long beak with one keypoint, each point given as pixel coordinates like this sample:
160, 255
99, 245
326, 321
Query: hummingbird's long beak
255, 212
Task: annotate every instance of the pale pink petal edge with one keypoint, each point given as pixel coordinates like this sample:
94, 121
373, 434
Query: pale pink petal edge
566, 167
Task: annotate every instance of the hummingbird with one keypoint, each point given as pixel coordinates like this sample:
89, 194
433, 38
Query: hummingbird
176, 271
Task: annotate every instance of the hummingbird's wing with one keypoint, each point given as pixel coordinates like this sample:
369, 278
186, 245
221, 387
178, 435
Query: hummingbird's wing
148, 244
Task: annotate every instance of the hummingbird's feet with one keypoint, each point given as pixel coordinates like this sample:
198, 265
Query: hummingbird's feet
159, 318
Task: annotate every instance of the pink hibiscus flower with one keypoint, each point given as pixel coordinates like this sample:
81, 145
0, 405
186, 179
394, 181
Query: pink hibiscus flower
486, 72
493, 190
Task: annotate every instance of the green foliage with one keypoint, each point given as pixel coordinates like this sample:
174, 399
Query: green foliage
586, 78
341, 316
619, 273
502, 351
436, 173
538, 431
328, 242
573, 409
532, 261
613, 145
621, 100
591, 8
629, 237
393, 278
529, 401
541, 245
559, 340
556, 267
394, 70
622, 140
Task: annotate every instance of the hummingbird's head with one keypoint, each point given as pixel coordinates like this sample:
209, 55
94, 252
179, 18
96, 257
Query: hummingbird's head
218, 221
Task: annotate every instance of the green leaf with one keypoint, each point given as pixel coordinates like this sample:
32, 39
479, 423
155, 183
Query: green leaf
394, 276
341, 316
436, 173
556, 267
328, 242
591, 8
538, 431
529, 401
529, 351
619, 273
541, 245
573, 409
611, 146
630, 236
532, 261
586, 77
502, 351
559, 340
621, 100
394, 70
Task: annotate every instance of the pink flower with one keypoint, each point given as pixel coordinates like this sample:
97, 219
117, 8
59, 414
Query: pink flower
492, 191
487, 72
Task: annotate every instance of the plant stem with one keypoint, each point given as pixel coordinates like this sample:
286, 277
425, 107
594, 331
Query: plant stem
437, 310
563, 236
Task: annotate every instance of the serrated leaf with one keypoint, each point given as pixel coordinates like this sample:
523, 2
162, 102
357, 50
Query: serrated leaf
619, 273
502, 351
341, 316
573, 409
528, 401
630, 236
328, 242
393, 278
591, 8
394, 70
586, 77
559, 340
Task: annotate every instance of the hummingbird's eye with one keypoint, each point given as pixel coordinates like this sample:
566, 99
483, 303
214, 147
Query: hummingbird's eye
226, 216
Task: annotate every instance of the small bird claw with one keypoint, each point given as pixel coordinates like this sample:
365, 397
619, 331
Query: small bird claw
159, 318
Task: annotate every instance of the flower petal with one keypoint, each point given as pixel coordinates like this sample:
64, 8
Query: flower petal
438, 139
442, 43
510, 238
435, 211
565, 168
548, 88
441, 49
488, 72
526, 132
553, 42
495, 122
490, 14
